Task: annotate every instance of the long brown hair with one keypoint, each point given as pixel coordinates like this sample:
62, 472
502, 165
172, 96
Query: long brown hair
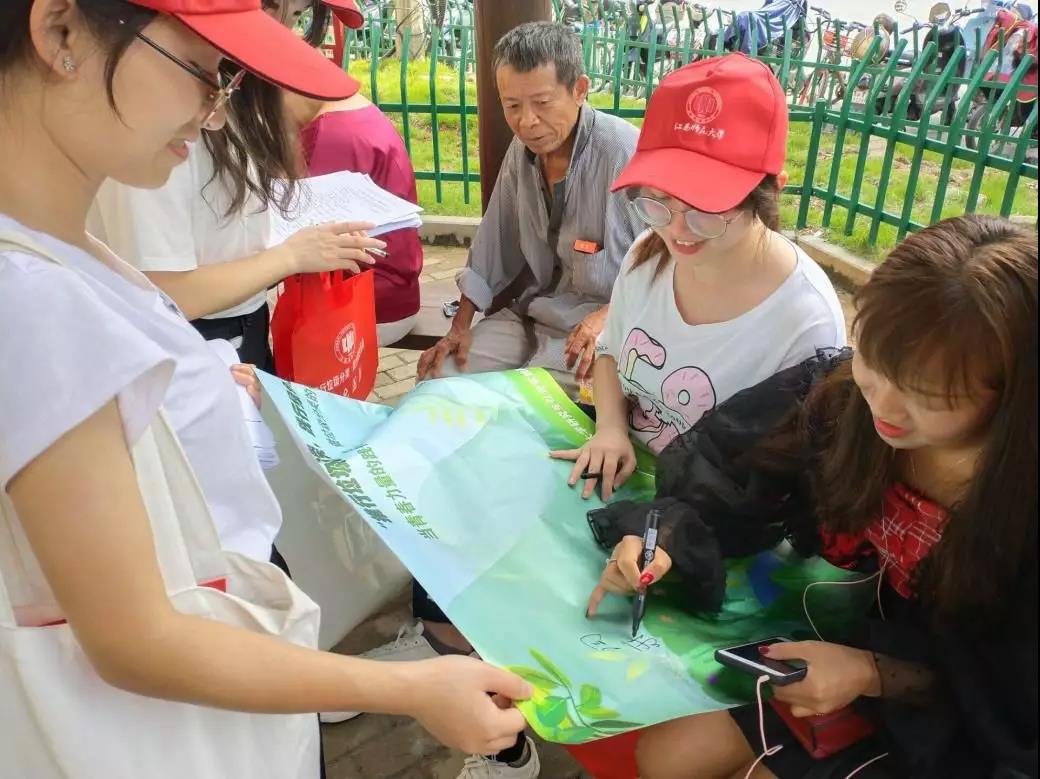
256, 154
957, 300
763, 204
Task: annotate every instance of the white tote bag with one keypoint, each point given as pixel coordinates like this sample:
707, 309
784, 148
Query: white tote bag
59, 719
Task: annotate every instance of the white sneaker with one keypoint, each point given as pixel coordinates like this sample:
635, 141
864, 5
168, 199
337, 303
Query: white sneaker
481, 767
410, 644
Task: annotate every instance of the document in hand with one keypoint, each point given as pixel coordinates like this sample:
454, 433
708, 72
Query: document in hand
345, 197
259, 432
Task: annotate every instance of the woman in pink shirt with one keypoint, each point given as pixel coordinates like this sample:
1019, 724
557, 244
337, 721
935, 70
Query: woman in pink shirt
355, 135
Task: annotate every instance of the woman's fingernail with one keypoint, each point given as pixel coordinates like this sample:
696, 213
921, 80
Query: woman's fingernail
646, 579
763, 650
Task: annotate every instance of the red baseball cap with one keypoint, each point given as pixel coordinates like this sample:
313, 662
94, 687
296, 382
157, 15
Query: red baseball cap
243, 31
347, 12
713, 130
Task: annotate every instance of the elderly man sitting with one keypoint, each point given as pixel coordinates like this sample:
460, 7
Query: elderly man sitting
551, 243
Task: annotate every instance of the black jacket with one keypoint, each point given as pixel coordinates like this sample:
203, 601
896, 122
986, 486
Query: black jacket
981, 717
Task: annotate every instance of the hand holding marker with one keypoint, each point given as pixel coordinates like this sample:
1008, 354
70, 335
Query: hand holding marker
635, 563
653, 518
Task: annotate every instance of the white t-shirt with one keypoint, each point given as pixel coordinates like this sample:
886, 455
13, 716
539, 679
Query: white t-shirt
673, 373
72, 339
175, 228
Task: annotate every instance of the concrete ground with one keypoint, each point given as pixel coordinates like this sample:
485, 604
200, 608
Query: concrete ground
377, 747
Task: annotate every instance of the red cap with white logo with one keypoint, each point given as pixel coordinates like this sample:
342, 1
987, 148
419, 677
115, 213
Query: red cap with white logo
256, 41
713, 130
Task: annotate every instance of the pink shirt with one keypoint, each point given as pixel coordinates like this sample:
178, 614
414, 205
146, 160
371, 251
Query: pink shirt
365, 141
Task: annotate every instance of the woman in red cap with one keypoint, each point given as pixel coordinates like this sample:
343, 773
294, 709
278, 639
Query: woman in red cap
911, 463
130, 643
204, 237
712, 298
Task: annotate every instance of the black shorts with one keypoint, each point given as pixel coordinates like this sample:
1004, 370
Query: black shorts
254, 330
793, 762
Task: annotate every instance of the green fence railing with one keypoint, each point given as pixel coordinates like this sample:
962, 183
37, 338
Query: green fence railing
877, 148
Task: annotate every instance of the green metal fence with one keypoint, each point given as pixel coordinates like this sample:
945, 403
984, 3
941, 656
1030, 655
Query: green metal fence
877, 149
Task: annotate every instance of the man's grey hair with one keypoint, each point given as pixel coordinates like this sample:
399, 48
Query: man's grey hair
534, 44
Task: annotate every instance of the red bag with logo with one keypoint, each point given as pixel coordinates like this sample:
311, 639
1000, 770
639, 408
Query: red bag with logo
324, 332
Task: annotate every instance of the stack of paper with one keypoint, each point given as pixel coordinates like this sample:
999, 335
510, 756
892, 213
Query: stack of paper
259, 433
345, 197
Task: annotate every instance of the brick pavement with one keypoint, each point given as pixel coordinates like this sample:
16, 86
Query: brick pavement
397, 366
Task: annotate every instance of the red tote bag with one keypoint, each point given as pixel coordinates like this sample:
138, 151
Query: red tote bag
283, 320
324, 332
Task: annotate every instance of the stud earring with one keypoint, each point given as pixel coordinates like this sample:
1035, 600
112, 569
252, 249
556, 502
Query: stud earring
68, 64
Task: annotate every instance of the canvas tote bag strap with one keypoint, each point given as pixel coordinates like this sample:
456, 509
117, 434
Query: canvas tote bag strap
186, 542
7, 547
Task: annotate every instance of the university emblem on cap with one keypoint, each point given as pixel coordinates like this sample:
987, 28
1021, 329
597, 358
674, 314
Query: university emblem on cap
704, 105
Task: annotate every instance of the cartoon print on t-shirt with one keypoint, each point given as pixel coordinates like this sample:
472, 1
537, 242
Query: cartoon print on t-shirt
640, 347
686, 394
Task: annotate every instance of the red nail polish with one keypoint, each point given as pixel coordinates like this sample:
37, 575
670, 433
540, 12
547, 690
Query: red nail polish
764, 649
646, 579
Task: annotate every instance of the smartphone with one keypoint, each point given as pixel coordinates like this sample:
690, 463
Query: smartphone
600, 525
749, 659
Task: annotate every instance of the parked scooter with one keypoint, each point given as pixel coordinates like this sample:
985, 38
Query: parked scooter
977, 28
947, 32
1019, 38
885, 27
944, 30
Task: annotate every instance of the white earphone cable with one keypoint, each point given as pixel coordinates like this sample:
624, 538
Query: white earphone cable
768, 751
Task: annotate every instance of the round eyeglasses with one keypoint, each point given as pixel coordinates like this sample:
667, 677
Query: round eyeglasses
657, 214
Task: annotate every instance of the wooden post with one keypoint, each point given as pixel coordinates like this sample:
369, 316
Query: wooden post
492, 20
408, 14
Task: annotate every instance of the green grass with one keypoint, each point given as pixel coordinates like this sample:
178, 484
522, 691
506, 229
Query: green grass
453, 200
955, 200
